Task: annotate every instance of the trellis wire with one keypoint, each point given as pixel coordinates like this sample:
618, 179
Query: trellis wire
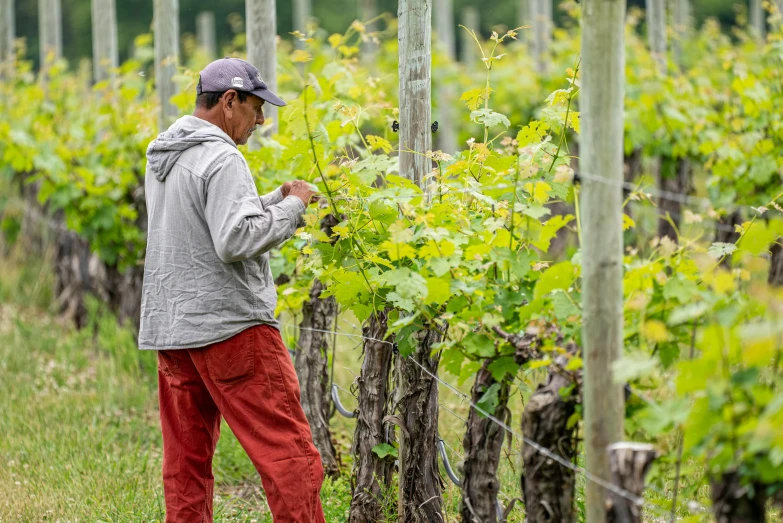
538, 448
463, 397
664, 194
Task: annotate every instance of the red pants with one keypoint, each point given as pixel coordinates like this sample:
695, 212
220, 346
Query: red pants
250, 380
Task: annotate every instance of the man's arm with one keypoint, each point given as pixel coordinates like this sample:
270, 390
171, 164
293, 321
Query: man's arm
273, 198
241, 228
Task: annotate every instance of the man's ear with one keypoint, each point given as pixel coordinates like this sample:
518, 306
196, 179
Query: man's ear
230, 99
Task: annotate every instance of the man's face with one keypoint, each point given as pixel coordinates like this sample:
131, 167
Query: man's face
243, 117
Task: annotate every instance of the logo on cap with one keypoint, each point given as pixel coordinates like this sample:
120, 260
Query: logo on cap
237, 82
258, 75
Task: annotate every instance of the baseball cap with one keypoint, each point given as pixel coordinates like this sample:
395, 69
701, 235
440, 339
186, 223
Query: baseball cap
235, 73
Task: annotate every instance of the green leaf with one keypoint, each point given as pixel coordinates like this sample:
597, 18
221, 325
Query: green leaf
719, 249
383, 450
559, 276
502, 366
633, 366
489, 400
489, 118
687, 313
479, 345
562, 306
757, 239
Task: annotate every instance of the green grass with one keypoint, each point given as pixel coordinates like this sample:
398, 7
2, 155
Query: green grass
79, 419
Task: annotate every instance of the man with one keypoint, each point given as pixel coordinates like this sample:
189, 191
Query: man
209, 299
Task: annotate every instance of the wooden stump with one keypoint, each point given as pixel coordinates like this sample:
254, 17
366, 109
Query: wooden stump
629, 463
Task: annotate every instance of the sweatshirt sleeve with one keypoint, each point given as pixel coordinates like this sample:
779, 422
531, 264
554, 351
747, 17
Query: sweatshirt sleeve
273, 198
241, 228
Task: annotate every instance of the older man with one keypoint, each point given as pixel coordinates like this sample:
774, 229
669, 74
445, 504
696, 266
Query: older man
209, 299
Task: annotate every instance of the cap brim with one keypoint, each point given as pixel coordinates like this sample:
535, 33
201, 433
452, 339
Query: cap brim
269, 96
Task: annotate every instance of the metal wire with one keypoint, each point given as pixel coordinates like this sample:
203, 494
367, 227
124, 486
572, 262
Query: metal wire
663, 194
589, 476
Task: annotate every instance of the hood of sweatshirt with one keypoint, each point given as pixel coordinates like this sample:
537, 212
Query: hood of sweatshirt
187, 132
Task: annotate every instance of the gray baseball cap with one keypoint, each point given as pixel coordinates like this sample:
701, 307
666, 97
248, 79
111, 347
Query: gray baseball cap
235, 73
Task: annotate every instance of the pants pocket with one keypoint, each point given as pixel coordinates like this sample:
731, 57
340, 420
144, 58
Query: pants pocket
168, 362
233, 360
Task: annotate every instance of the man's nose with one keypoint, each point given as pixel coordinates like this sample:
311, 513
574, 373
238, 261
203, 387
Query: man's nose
260, 117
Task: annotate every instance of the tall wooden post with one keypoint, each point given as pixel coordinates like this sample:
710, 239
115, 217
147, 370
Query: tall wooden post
656, 32
681, 20
368, 10
7, 35
446, 137
757, 19
420, 496
541, 19
105, 56
302, 13
166, 21
261, 21
603, 83
524, 12
415, 63
205, 34
50, 32
471, 20
444, 26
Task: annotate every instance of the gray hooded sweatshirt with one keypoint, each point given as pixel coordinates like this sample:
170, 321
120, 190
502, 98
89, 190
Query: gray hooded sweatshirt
206, 273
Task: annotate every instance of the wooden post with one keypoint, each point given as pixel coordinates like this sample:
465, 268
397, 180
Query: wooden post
166, 20
757, 19
541, 20
261, 21
420, 495
205, 34
50, 36
302, 13
415, 62
603, 87
444, 27
524, 10
470, 19
629, 463
105, 56
368, 10
7, 35
446, 138
656, 32
681, 27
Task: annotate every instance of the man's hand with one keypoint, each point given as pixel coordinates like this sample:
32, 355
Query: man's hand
301, 190
285, 189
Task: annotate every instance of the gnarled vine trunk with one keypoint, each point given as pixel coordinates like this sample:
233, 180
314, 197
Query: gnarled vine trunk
312, 365
733, 502
372, 474
547, 486
776, 264
726, 232
421, 486
674, 179
75, 272
483, 442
